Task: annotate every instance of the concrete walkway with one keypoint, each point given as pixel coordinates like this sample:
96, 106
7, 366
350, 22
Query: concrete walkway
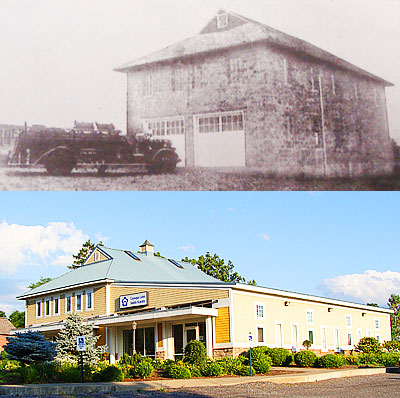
296, 375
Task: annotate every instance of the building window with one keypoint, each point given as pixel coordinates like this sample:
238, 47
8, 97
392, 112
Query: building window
148, 85
89, 300
78, 302
197, 77
348, 321
311, 336
333, 84
349, 339
377, 324
285, 71
290, 125
356, 91
47, 306
368, 333
317, 130
222, 20
177, 81
260, 333
96, 256
359, 335
232, 121
259, 311
39, 309
68, 303
56, 306
310, 316
378, 338
165, 127
314, 80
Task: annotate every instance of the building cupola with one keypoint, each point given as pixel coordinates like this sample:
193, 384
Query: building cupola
147, 248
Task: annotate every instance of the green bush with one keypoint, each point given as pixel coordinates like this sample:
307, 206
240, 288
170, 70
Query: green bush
244, 370
392, 346
391, 359
305, 358
8, 365
177, 371
112, 373
28, 374
71, 374
195, 370
143, 369
211, 369
280, 356
368, 345
259, 351
262, 364
195, 352
330, 361
48, 372
351, 359
370, 360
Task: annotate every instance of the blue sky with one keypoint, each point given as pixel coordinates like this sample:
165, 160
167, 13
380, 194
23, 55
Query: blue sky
340, 245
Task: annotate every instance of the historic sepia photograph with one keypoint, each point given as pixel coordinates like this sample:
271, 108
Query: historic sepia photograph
199, 95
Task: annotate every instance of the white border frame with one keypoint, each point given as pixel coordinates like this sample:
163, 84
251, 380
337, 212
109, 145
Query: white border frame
86, 300
44, 307
54, 303
41, 309
79, 293
313, 316
257, 318
282, 335
345, 321
65, 303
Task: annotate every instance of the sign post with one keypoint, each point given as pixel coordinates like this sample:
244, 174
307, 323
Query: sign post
251, 343
81, 348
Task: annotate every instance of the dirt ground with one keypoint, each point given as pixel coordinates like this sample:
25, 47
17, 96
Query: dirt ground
186, 179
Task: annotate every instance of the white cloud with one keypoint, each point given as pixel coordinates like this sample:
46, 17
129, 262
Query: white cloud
265, 236
187, 248
100, 237
371, 286
22, 245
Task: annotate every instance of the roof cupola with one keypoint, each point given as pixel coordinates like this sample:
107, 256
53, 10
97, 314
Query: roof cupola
147, 248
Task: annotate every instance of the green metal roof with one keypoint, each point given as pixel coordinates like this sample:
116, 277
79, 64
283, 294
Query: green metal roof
122, 268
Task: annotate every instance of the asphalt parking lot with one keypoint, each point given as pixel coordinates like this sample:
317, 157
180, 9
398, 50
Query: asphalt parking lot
184, 179
376, 386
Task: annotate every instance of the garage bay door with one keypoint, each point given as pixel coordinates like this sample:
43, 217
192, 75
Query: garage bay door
172, 129
219, 140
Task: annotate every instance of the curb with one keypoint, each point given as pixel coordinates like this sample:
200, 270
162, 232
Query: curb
307, 376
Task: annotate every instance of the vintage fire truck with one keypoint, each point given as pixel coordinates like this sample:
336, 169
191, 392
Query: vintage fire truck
60, 151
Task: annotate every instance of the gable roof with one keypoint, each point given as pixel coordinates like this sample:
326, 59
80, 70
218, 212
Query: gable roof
123, 268
242, 31
5, 326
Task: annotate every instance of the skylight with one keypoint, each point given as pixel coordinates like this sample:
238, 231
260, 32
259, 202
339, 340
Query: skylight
175, 263
130, 254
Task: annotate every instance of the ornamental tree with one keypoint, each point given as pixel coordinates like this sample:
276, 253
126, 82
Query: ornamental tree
30, 347
66, 341
394, 304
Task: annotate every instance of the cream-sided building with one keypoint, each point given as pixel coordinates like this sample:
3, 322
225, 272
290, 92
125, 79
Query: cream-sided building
169, 303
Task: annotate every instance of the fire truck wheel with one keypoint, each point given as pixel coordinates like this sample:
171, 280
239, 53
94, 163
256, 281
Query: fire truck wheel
60, 163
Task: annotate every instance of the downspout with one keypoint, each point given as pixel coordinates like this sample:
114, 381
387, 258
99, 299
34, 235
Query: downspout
323, 124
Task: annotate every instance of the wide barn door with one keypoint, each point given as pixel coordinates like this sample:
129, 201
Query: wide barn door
172, 129
219, 140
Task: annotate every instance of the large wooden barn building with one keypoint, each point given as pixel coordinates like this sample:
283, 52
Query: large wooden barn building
242, 94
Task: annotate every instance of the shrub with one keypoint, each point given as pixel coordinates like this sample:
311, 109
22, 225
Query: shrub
195, 370
391, 359
305, 358
262, 364
392, 346
177, 371
370, 360
211, 369
112, 373
244, 370
351, 360
28, 374
195, 352
71, 374
259, 351
307, 344
280, 356
330, 361
48, 372
143, 369
368, 345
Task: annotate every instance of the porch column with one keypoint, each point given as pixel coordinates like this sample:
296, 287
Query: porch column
168, 341
209, 339
112, 342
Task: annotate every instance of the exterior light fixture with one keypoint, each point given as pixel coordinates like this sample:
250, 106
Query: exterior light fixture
287, 303
134, 324
330, 309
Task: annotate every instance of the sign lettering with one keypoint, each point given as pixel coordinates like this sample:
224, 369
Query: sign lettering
133, 300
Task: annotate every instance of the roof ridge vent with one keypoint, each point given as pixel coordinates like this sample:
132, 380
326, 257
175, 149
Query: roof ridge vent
176, 263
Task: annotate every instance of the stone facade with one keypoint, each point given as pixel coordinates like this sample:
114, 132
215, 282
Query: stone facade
300, 114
